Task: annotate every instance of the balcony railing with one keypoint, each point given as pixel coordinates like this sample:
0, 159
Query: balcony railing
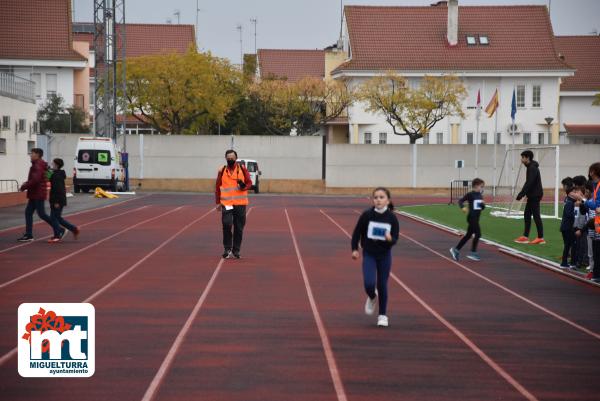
17, 87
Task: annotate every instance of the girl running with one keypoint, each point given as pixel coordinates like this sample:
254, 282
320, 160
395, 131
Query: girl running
376, 231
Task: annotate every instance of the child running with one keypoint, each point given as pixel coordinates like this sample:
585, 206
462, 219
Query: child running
377, 231
473, 210
58, 200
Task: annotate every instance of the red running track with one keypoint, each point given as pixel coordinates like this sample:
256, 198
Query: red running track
175, 322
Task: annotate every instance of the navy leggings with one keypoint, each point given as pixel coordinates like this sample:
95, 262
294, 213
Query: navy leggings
35, 205
376, 271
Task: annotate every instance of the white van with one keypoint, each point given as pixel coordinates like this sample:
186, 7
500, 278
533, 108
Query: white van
252, 167
98, 164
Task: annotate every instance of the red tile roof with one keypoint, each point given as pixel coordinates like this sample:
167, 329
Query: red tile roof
292, 65
583, 130
149, 39
36, 30
583, 53
414, 39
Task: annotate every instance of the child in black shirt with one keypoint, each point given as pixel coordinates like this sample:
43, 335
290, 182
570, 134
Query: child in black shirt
473, 210
58, 200
377, 231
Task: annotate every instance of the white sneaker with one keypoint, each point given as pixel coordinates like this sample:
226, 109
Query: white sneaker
370, 305
382, 321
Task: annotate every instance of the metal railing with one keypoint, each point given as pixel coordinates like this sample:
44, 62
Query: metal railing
17, 87
458, 189
9, 186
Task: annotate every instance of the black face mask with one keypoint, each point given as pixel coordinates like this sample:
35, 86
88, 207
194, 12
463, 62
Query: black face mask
230, 163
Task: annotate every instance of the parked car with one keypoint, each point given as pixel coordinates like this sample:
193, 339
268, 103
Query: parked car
252, 167
98, 164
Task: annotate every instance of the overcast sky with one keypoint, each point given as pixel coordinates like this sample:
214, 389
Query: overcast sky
303, 24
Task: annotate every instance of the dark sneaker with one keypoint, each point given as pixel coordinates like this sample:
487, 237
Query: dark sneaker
227, 254
596, 280
236, 255
564, 267
63, 233
455, 253
26, 238
474, 256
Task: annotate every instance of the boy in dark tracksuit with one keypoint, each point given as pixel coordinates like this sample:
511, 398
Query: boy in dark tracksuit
476, 205
58, 200
566, 225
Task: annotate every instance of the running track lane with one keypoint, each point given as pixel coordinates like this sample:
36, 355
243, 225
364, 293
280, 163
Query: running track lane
558, 293
416, 358
255, 337
88, 270
527, 342
136, 316
37, 223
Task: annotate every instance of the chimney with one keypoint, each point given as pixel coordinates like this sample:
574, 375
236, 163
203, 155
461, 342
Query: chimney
452, 22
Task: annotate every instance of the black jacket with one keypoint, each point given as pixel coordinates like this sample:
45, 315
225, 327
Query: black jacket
374, 246
533, 182
58, 192
476, 204
568, 216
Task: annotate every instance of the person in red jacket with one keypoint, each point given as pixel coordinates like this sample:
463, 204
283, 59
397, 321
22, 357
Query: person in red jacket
36, 194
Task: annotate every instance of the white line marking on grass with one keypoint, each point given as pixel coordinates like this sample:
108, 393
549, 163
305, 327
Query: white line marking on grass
331, 363
78, 226
489, 361
44, 267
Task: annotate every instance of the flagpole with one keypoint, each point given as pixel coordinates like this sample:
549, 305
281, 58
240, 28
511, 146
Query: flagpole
495, 156
477, 117
513, 113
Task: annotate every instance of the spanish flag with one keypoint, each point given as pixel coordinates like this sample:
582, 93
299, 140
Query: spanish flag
493, 105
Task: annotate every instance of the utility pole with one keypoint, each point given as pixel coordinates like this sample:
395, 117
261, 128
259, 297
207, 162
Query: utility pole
255, 22
239, 28
197, 11
177, 14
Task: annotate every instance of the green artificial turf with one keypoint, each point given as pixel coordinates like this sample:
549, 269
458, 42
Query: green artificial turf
498, 229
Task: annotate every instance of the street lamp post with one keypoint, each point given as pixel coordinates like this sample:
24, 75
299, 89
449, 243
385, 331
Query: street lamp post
549, 124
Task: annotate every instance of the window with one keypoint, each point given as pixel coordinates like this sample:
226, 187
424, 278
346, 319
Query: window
2, 146
36, 127
252, 167
22, 125
382, 138
484, 138
527, 138
367, 138
498, 138
5, 122
101, 157
541, 138
536, 96
37, 79
30, 145
426, 139
50, 84
469, 138
471, 40
440, 138
484, 40
521, 96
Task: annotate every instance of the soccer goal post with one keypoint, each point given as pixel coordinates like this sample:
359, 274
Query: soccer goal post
512, 178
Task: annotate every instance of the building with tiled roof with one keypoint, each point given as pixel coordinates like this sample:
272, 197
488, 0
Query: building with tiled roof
579, 118
36, 43
291, 65
490, 47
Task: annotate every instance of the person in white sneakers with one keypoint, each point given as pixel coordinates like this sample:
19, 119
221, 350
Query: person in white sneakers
377, 231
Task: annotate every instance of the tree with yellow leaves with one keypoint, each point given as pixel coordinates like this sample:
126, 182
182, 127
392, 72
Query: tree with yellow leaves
596, 100
304, 106
178, 93
413, 111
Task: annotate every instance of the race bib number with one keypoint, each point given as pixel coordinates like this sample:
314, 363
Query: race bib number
477, 204
377, 231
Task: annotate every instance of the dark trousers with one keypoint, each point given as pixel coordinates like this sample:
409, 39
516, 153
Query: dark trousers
233, 219
532, 208
473, 229
580, 249
568, 246
58, 220
35, 205
596, 253
376, 272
